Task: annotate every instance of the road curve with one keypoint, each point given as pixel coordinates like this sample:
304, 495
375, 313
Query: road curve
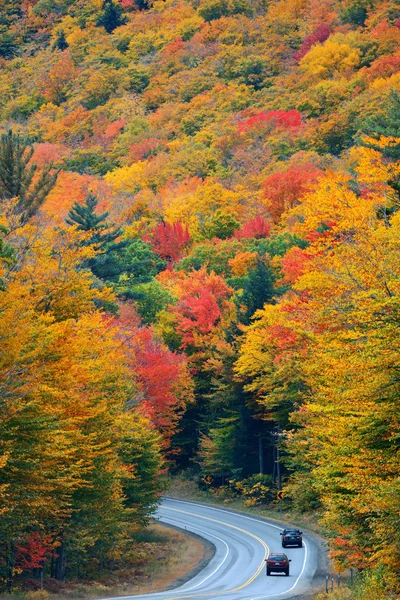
237, 569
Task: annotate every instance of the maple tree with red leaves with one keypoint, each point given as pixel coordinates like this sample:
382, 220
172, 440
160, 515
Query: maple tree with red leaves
320, 34
294, 263
200, 306
146, 148
169, 240
286, 119
284, 189
33, 553
257, 228
163, 383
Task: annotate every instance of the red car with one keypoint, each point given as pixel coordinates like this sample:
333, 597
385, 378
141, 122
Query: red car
278, 563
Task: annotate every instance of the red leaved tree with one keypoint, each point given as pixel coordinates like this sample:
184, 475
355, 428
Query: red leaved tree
201, 304
169, 241
283, 190
294, 264
33, 553
286, 119
320, 34
162, 378
256, 228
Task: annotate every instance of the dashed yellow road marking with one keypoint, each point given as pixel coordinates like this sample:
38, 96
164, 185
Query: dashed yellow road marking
240, 587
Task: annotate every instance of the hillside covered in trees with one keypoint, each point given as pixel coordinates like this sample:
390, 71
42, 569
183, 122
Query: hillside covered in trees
199, 264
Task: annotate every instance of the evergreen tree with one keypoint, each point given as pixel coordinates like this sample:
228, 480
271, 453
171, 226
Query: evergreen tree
125, 263
143, 4
386, 123
7, 256
107, 264
255, 288
111, 17
17, 176
61, 41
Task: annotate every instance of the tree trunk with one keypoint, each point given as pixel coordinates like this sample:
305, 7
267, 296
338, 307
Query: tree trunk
261, 455
60, 563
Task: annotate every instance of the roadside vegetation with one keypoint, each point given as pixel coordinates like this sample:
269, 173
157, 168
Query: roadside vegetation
155, 559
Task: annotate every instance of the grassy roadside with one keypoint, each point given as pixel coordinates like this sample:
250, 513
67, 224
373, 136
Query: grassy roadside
165, 557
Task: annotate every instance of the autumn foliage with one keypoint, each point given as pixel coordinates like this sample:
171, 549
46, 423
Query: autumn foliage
284, 189
169, 240
233, 284
257, 228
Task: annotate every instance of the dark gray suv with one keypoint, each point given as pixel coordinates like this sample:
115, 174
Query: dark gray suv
292, 537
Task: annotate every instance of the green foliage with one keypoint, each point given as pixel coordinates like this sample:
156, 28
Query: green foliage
151, 298
7, 255
144, 263
217, 448
215, 257
356, 11
254, 289
221, 226
213, 9
107, 264
8, 44
111, 17
91, 162
138, 78
126, 264
385, 123
19, 178
60, 42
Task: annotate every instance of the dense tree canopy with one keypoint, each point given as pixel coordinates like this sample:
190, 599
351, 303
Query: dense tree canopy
199, 220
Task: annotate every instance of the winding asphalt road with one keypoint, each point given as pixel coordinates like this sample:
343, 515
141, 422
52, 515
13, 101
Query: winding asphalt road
237, 569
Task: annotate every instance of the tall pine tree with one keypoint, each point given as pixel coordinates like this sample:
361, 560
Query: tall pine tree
111, 17
19, 178
107, 264
60, 41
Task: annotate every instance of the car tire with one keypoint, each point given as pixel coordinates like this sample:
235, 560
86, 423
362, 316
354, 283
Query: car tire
268, 572
283, 545
301, 545
287, 572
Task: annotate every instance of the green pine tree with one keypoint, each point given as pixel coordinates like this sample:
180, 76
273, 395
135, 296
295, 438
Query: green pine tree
143, 4
133, 262
111, 17
385, 123
107, 264
7, 255
17, 177
61, 41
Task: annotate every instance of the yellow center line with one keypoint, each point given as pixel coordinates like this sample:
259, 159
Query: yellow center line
240, 587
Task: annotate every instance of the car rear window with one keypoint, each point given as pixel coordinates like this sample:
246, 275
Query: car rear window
277, 558
292, 533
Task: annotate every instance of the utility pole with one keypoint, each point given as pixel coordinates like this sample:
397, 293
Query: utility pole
278, 468
276, 434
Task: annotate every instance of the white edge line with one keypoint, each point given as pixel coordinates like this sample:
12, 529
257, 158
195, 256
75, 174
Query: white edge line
257, 521
178, 591
215, 570
293, 586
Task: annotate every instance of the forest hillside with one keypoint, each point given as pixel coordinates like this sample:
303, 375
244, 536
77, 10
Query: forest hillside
199, 269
